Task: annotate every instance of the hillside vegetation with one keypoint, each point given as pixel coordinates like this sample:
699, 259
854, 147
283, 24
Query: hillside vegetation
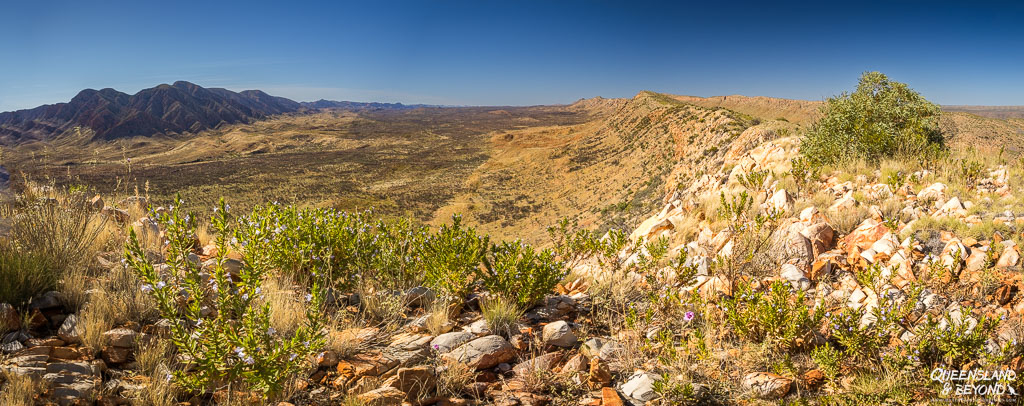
609, 252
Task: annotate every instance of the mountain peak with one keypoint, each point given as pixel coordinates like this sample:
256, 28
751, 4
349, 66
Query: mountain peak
164, 109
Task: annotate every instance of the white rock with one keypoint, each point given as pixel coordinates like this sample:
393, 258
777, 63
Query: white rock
795, 276
935, 191
559, 334
640, 386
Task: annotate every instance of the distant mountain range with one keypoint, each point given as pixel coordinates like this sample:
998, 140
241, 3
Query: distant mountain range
185, 107
165, 109
1000, 112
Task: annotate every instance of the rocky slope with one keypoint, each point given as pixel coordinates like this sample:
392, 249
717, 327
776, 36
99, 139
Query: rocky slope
609, 172
948, 252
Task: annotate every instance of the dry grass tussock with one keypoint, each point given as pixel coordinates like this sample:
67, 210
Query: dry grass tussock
287, 306
19, 390
502, 315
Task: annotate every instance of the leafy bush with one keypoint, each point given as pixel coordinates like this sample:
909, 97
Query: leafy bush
571, 243
451, 257
829, 360
803, 172
301, 242
520, 274
864, 342
219, 320
734, 209
756, 181
881, 118
776, 317
961, 341
968, 171
351, 248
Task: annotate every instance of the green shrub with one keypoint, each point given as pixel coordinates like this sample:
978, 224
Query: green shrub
756, 181
571, 243
968, 172
865, 342
219, 321
961, 341
734, 209
880, 119
829, 360
300, 242
451, 257
351, 248
776, 317
399, 254
522, 275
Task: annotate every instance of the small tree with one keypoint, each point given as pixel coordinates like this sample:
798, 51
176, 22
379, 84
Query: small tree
881, 118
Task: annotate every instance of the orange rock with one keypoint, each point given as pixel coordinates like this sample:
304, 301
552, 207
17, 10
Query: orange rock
599, 373
609, 397
813, 378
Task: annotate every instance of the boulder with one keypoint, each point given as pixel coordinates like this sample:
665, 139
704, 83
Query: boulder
882, 249
483, 353
48, 300
65, 353
640, 386
446, 342
790, 245
578, 363
767, 385
386, 396
1009, 257
415, 382
781, 201
935, 191
11, 347
822, 237
419, 296
539, 363
599, 374
814, 378
792, 274
600, 347
116, 355
327, 359
120, 337
847, 202
609, 397
9, 319
559, 334
480, 328
69, 330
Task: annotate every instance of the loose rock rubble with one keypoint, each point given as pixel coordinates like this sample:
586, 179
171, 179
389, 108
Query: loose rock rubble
807, 251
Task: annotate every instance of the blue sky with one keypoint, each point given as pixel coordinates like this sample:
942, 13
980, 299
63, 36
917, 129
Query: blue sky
511, 53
